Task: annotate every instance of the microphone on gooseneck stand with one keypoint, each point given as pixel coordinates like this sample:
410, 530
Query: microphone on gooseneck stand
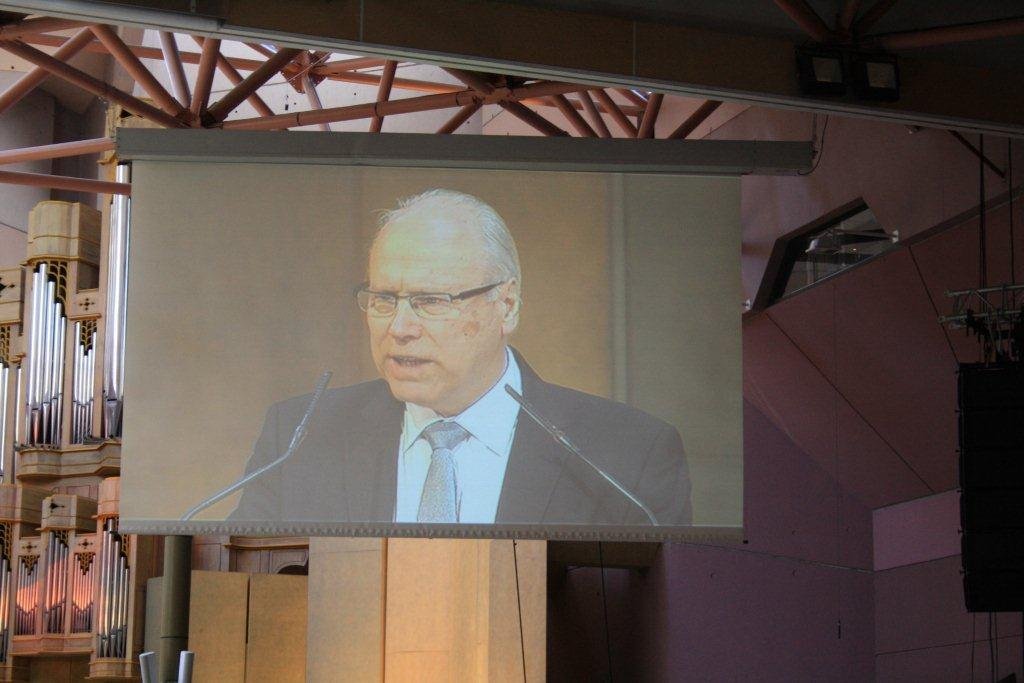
297, 436
559, 436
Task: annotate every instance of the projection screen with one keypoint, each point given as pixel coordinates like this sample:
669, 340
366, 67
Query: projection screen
512, 352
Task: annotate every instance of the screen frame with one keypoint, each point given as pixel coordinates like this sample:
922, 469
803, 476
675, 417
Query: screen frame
674, 157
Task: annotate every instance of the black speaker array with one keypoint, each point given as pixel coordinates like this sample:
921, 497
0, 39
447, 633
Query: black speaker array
991, 399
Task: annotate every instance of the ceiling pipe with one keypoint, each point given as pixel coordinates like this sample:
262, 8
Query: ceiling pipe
28, 27
59, 182
532, 118
946, 35
231, 73
800, 12
220, 110
613, 110
175, 69
575, 120
137, 70
204, 77
90, 84
871, 16
56, 151
384, 92
460, 118
646, 129
848, 12
27, 83
595, 116
695, 119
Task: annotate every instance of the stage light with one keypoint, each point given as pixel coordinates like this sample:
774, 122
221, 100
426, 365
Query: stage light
875, 76
820, 71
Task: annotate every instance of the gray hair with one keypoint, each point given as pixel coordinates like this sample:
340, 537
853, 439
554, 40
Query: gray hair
499, 247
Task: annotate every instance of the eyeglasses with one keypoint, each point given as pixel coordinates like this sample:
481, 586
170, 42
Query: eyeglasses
427, 305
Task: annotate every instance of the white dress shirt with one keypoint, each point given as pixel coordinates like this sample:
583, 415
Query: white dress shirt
480, 460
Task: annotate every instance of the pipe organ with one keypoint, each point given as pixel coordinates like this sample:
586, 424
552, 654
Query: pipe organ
113, 592
71, 585
83, 380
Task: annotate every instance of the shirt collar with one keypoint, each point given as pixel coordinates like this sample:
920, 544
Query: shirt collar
490, 419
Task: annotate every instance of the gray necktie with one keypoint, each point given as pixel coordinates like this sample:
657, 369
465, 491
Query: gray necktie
437, 504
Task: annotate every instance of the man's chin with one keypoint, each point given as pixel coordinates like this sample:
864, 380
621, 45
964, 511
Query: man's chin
412, 392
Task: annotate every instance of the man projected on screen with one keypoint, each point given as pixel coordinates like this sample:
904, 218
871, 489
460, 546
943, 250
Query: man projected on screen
439, 439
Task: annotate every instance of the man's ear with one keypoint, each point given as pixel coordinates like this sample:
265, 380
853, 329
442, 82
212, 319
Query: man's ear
512, 302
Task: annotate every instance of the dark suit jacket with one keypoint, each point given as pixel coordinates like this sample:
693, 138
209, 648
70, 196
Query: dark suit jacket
345, 470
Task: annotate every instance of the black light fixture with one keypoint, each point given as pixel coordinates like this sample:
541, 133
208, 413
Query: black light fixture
821, 71
875, 76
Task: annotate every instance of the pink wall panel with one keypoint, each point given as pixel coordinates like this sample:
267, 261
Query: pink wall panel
792, 502
920, 606
737, 616
869, 468
807, 318
894, 365
917, 530
796, 397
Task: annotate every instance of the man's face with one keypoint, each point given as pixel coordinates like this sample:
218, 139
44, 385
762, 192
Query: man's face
445, 364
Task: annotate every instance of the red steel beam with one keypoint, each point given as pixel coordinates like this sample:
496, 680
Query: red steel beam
354, 112
137, 70
570, 113
695, 119
56, 151
594, 114
848, 12
266, 52
460, 118
344, 65
219, 111
532, 118
384, 92
27, 83
90, 84
28, 27
871, 16
406, 106
472, 79
632, 96
646, 129
945, 35
204, 78
60, 182
231, 73
800, 12
144, 52
313, 97
617, 116
175, 69
340, 74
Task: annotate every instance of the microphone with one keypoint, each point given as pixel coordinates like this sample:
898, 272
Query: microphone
559, 436
297, 436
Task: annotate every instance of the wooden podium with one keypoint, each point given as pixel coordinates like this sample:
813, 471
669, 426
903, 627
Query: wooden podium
426, 610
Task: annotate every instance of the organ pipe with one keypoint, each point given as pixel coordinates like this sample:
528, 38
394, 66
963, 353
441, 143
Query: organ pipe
117, 285
5, 588
114, 592
82, 593
27, 597
5, 382
58, 553
83, 373
46, 362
